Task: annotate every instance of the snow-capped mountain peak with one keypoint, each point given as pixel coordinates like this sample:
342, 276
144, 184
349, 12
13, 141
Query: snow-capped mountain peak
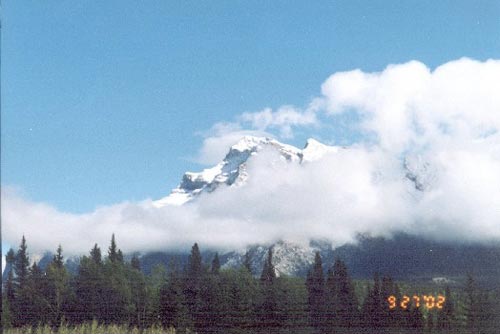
315, 150
232, 169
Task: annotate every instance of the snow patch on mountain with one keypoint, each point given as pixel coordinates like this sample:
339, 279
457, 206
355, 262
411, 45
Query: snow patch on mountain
288, 258
420, 172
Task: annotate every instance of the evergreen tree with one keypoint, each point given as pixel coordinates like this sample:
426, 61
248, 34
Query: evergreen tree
192, 290
116, 289
21, 305
316, 292
242, 297
342, 303
58, 259
488, 319
40, 307
445, 316
119, 256
210, 303
388, 318
89, 287
471, 303
269, 307
8, 300
135, 263
10, 257
6, 317
416, 318
173, 306
8, 290
95, 254
115, 255
154, 282
21, 264
216, 264
372, 307
138, 288
331, 300
430, 322
58, 289
398, 314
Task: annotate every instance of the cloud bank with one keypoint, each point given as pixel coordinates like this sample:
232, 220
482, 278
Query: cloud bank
441, 124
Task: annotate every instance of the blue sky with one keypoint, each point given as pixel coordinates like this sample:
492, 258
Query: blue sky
104, 102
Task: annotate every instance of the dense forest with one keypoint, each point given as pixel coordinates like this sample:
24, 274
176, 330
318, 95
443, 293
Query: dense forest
110, 295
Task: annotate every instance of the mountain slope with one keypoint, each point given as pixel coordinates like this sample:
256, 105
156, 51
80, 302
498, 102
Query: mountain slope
232, 171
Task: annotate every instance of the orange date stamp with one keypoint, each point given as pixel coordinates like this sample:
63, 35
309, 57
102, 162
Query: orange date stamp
429, 302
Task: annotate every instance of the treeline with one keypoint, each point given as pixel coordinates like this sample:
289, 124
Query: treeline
201, 297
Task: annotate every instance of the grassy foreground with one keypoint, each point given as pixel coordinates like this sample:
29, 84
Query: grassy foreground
95, 328
89, 328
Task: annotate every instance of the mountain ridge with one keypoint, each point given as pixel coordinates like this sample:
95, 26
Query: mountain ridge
232, 169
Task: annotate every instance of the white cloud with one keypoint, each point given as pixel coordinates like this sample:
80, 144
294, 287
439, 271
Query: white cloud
280, 201
283, 119
448, 117
408, 106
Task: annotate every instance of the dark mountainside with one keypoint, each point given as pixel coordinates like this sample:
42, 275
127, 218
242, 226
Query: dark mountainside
404, 257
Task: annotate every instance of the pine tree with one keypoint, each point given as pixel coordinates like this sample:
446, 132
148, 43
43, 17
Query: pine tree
398, 314
487, 313
8, 299
471, 304
342, 303
372, 307
89, 288
386, 290
119, 256
58, 259
316, 292
445, 316
138, 288
331, 300
195, 265
39, 293
58, 287
10, 257
113, 250
21, 306
9, 287
155, 281
269, 307
8, 291
173, 306
192, 291
135, 263
116, 289
214, 306
430, 322
21, 264
416, 318
216, 264
242, 297
95, 254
